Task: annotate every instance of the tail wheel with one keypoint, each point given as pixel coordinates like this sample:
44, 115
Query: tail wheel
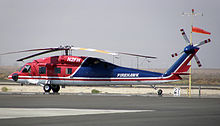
160, 92
55, 88
47, 88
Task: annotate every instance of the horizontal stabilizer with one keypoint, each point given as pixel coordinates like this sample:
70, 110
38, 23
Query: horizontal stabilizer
183, 69
181, 73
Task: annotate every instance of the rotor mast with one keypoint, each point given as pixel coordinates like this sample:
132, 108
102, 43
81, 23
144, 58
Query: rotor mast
67, 49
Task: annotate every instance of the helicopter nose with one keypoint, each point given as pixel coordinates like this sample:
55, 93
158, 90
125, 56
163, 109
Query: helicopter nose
15, 76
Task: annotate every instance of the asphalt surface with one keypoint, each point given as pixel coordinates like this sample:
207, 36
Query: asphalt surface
125, 110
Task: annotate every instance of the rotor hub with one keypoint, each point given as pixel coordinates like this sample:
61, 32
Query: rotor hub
189, 49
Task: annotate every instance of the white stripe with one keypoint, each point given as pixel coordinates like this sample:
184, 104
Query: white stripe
112, 78
7, 113
93, 83
183, 63
177, 68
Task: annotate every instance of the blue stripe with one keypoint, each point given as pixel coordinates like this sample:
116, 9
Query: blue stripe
107, 70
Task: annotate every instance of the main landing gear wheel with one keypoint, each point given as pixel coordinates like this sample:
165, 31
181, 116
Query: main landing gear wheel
47, 88
160, 92
55, 88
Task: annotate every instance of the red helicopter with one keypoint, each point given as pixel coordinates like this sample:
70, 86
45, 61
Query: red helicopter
53, 72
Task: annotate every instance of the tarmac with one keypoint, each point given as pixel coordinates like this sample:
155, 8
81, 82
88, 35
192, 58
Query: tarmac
35, 109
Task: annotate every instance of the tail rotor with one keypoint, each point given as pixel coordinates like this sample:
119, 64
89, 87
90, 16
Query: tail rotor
196, 45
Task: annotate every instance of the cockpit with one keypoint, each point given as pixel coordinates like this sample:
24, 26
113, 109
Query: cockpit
25, 69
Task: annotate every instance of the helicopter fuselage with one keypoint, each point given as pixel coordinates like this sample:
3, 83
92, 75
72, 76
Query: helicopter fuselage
74, 70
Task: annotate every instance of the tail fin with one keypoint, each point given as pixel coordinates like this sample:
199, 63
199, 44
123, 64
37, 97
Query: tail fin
180, 67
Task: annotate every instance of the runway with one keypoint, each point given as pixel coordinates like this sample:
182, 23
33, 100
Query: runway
106, 110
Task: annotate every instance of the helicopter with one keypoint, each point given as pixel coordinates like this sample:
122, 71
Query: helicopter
67, 70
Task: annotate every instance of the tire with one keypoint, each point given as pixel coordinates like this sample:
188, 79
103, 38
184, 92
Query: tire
55, 88
47, 88
160, 92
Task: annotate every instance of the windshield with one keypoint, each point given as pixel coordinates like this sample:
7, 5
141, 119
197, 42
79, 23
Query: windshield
27, 69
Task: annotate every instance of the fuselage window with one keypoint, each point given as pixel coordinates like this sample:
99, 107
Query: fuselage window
27, 69
42, 70
57, 70
68, 70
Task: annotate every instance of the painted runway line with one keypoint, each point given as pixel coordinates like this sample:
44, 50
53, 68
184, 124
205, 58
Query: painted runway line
8, 113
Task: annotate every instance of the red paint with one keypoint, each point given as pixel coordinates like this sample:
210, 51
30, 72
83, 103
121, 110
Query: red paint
51, 63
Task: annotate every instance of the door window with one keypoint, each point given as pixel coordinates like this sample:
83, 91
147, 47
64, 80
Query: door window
42, 70
57, 70
68, 70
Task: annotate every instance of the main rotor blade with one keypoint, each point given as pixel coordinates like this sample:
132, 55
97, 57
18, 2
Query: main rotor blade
131, 54
41, 53
30, 50
197, 61
48, 50
108, 52
185, 36
94, 50
203, 42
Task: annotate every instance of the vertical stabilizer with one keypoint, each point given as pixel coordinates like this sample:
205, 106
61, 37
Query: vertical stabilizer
180, 67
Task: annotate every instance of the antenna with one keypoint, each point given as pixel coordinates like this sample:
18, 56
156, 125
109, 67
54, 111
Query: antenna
192, 14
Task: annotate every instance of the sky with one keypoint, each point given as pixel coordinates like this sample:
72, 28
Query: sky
147, 27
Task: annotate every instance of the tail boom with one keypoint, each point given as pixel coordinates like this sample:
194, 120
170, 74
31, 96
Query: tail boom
180, 67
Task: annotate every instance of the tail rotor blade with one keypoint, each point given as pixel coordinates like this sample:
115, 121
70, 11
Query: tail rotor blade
185, 36
197, 61
176, 54
203, 42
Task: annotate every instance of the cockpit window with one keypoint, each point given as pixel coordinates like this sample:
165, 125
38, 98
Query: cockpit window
27, 69
96, 61
91, 62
